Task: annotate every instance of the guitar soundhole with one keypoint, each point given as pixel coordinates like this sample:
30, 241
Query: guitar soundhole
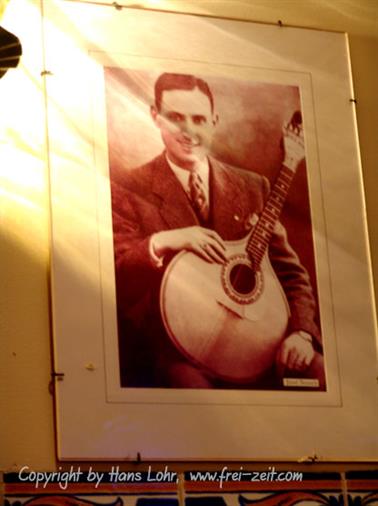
242, 279
240, 282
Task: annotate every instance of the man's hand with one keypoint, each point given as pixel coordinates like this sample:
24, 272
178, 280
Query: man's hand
296, 352
204, 242
293, 142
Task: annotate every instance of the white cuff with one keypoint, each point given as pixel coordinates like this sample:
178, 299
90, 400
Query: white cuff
158, 261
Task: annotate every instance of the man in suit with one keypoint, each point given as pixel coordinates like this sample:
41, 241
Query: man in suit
186, 200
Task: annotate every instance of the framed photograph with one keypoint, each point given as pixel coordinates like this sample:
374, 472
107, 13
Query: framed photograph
208, 357
198, 268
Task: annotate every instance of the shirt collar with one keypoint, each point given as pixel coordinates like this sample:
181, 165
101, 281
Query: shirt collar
182, 175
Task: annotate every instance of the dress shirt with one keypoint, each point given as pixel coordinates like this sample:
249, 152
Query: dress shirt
202, 168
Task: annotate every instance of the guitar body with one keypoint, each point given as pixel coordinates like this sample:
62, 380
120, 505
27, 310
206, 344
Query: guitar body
226, 319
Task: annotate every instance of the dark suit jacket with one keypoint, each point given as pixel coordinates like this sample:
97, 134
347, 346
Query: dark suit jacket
150, 199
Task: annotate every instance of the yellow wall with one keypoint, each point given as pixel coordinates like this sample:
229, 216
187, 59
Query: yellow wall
27, 429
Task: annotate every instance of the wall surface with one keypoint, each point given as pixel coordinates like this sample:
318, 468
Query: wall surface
27, 429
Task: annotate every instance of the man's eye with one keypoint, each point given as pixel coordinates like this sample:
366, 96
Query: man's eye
199, 120
174, 117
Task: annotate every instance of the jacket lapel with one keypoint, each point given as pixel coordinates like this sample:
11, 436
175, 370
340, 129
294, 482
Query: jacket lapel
227, 201
175, 208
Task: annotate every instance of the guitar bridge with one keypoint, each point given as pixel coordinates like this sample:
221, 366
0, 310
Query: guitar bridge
235, 310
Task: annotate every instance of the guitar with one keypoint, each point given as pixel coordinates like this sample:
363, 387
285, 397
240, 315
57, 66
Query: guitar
236, 314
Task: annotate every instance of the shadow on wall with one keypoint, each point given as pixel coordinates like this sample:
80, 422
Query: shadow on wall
10, 51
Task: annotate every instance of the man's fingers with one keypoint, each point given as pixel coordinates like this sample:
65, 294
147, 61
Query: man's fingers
295, 353
292, 359
308, 360
299, 364
206, 255
216, 237
218, 249
295, 136
210, 253
213, 244
215, 253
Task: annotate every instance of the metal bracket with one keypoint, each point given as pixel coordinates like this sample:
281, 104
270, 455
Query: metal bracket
59, 376
309, 459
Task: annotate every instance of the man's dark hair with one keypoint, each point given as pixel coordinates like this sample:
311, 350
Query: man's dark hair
168, 81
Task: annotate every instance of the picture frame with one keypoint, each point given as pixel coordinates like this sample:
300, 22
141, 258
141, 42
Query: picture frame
155, 422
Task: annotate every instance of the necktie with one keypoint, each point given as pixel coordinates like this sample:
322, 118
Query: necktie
198, 196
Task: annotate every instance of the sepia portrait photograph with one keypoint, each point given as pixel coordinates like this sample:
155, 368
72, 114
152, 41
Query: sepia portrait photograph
215, 274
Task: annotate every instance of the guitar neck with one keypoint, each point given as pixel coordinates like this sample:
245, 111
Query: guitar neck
263, 230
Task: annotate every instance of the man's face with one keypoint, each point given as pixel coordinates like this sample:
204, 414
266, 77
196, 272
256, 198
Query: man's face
186, 124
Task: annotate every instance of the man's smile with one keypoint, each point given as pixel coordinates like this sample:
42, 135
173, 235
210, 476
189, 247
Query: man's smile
189, 144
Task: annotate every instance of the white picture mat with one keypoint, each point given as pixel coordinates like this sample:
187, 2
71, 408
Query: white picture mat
155, 424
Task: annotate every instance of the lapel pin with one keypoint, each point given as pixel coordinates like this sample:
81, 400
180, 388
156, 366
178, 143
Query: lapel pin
251, 221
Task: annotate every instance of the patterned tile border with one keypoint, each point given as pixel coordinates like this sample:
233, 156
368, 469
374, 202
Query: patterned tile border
95, 500
362, 487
